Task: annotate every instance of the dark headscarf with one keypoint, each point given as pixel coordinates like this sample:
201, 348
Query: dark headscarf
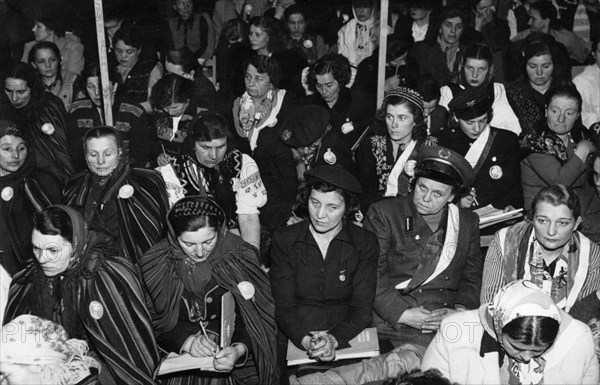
232, 261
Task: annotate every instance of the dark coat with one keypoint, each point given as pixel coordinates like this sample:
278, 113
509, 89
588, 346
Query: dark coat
334, 293
432, 60
402, 249
351, 106
505, 153
129, 118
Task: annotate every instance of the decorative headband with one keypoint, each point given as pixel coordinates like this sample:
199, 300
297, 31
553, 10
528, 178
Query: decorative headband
409, 94
197, 206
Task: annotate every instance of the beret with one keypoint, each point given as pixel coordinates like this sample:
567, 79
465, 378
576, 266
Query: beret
335, 176
304, 126
447, 162
471, 103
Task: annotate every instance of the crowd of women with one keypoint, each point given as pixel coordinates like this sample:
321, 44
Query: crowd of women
279, 192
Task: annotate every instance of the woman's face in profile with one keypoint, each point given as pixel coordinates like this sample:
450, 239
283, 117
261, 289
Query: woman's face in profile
259, 39
553, 225
198, 245
102, 155
561, 114
13, 152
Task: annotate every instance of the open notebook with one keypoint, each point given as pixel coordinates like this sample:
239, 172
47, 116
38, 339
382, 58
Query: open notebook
180, 362
364, 345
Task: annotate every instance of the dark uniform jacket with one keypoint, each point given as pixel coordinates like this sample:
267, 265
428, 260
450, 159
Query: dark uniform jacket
129, 118
334, 293
498, 178
402, 251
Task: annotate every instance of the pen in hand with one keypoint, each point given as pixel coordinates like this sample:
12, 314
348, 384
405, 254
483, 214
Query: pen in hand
216, 350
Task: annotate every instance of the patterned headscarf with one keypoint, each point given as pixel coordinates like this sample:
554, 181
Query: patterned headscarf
520, 298
33, 341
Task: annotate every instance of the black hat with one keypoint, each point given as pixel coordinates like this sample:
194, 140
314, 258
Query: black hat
336, 176
471, 103
304, 126
447, 162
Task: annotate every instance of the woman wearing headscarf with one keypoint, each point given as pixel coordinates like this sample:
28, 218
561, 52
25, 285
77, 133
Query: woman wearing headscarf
41, 116
359, 37
188, 274
90, 290
548, 250
127, 203
25, 189
521, 337
43, 353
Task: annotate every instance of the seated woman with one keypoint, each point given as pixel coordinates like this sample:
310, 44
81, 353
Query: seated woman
181, 62
548, 250
41, 115
430, 259
25, 189
139, 70
187, 275
323, 271
44, 354
393, 151
476, 72
171, 99
49, 28
209, 168
129, 118
557, 152
45, 58
258, 115
129, 204
266, 38
311, 46
540, 65
350, 111
520, 337
91, 291
358, 38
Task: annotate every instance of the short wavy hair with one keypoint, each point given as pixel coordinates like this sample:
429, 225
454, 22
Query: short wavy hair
334, 63
274, 28
558, 195
266, 65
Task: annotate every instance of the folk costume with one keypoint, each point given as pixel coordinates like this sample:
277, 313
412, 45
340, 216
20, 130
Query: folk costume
129, 118
130, 205
514, 254
99, 299
184, 293
472, 353
23, 192
43, 122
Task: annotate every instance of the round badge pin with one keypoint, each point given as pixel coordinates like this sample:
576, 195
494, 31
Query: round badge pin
496, 172
347, 127
329, 157
96, 310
